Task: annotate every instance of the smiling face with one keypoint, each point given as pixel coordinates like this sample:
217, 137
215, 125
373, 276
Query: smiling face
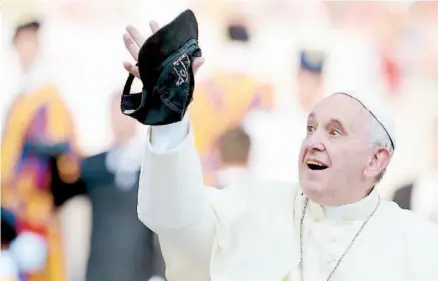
338, 163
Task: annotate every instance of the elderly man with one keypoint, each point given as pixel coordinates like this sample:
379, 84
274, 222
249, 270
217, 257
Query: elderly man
332, 226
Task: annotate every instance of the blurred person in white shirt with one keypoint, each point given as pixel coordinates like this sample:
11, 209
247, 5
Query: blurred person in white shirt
276, 135
234, 152
421, 196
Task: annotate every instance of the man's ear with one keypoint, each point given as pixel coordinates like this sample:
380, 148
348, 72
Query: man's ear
378, 162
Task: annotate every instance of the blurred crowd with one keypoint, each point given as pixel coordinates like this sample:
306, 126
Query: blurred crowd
70, 159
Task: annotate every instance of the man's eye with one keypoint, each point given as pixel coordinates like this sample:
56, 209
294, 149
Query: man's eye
335, 133
310, 129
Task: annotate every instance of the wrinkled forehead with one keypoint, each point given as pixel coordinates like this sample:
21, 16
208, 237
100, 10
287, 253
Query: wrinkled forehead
343, 108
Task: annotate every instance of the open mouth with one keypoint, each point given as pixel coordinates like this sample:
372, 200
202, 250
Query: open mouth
315, 166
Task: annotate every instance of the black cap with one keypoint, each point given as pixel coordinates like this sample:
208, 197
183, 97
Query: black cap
165, 66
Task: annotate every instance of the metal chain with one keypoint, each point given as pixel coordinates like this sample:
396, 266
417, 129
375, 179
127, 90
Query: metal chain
306, 203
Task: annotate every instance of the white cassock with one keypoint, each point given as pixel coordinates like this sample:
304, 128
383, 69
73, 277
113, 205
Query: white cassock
251, 232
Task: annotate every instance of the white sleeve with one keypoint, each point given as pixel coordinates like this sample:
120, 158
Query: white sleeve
167, 137
191, 221
172, 199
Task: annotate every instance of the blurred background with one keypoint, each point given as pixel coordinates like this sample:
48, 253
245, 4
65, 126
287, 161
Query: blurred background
70, 159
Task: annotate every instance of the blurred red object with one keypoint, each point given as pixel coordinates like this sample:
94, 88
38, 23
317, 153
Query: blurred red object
392, 73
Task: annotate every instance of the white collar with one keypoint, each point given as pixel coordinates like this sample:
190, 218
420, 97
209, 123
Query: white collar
231, 175
126, 156
33, 78
124, 161
356, 211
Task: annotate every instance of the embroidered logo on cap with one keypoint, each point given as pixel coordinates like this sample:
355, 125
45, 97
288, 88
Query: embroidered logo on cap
180, 68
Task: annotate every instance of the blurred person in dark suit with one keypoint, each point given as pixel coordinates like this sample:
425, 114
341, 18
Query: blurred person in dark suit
234, 151
40, 161
421, 196
122, 248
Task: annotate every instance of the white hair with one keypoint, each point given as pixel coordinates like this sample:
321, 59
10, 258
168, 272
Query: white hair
381, 139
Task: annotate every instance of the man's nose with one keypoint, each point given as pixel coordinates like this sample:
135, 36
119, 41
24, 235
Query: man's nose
315, 142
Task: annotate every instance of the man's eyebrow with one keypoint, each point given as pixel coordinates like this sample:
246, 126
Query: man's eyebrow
338, 122
332, 120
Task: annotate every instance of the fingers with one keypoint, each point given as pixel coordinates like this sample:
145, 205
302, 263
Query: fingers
131, 45
197, 63
134, 39
131, 69
154, 26
136, 35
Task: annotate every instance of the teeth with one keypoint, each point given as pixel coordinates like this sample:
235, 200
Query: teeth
310, 162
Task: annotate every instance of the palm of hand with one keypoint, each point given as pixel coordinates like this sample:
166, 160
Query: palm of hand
134, 40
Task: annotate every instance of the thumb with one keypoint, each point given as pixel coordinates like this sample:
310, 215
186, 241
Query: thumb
197, 63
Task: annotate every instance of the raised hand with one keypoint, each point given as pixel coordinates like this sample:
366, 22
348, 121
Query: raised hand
134, 40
